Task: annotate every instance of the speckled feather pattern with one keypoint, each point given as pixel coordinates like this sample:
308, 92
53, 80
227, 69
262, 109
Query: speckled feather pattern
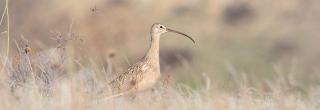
138, 77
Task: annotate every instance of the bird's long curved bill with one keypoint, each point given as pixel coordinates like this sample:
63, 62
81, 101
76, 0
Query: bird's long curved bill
171, 30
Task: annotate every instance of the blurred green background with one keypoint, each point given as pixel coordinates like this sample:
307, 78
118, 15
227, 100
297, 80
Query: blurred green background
236, 39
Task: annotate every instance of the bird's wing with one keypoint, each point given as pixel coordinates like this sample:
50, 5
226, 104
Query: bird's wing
130, 78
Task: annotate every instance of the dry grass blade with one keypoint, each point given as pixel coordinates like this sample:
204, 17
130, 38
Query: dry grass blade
8, 34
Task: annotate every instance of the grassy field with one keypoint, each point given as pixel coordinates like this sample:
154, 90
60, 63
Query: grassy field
249, 55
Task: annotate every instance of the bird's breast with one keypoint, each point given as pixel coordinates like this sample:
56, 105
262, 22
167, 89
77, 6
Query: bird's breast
150, 78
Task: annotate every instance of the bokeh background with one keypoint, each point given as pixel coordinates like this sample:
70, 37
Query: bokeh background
235, 39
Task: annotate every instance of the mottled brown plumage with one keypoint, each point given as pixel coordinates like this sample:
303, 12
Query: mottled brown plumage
145, 73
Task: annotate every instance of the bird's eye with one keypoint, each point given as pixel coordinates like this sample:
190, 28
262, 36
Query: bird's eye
161, 26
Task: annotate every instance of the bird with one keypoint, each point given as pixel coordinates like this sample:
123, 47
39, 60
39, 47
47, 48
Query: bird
144, 73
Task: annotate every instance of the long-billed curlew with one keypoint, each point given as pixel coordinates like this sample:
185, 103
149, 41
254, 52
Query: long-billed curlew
143, 74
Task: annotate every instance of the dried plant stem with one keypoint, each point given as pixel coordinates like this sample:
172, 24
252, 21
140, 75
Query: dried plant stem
8, 35
3, 13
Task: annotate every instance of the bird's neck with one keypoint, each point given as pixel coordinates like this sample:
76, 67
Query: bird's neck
153, 51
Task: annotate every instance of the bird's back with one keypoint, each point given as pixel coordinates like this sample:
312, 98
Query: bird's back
138, 77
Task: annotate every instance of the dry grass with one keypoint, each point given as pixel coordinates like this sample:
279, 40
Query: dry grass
55, 80
249, 55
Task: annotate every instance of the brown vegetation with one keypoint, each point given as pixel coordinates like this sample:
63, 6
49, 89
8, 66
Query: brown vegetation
249, 54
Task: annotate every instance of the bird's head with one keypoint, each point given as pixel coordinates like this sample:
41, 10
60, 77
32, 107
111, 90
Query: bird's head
158, 29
